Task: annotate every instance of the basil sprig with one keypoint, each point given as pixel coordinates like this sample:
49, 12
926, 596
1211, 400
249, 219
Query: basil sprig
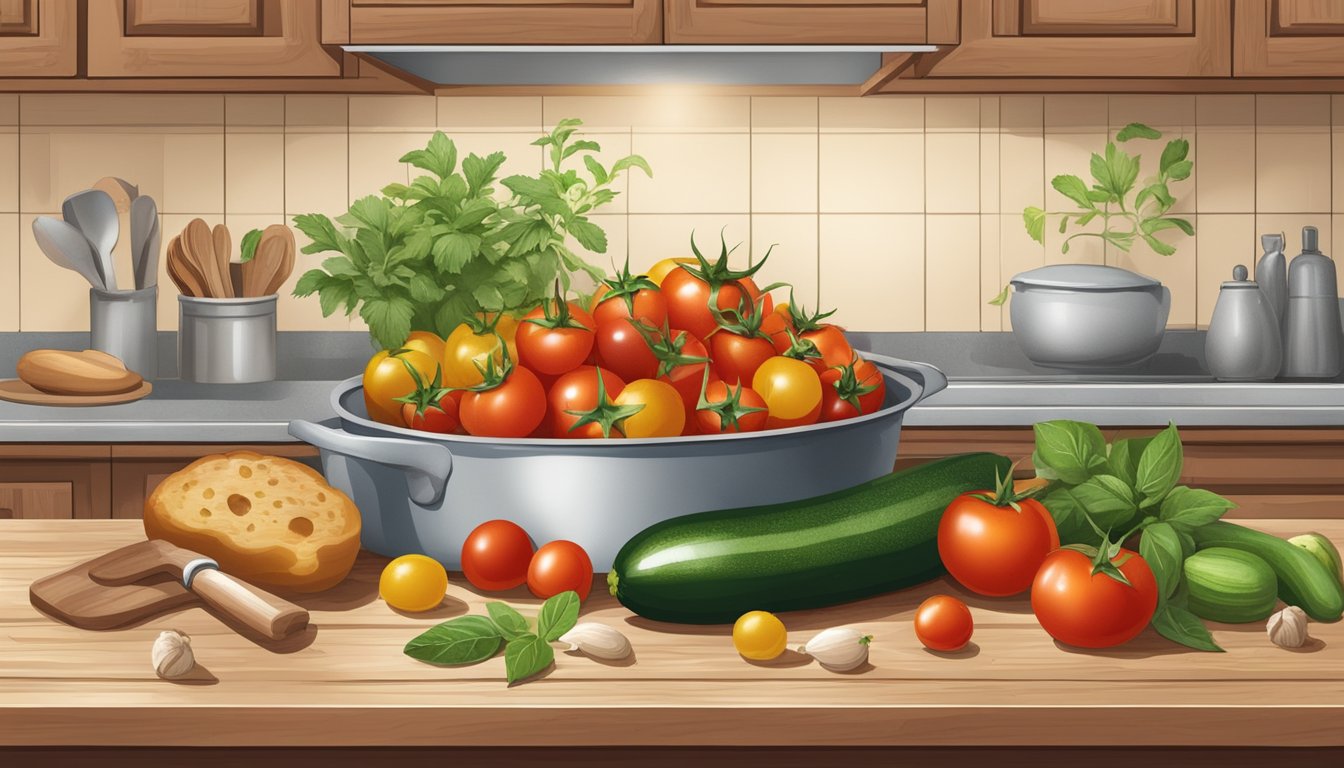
473, 639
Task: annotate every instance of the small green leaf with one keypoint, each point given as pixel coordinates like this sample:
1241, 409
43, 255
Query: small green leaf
1159, 247
589, 235
1152, 226
1189, 508
1073, 188
558, 615
1034, 218
1108, 500
1070, 519
1002, 297
1178, 624
510, 622
1160, 547
525, 656
1181, 170
1124, 458
631, 161
248, 246
1137, 131
1175, 151
464, 640
595, 168
1073, 449
1159, 466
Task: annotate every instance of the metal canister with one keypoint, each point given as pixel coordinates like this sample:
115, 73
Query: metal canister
226, 341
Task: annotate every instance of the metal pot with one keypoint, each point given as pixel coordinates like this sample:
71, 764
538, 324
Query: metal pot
1088, 316
422, 492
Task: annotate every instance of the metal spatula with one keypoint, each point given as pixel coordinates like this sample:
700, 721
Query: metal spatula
93, 213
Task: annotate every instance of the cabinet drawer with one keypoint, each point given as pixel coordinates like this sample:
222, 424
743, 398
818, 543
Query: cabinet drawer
37, 501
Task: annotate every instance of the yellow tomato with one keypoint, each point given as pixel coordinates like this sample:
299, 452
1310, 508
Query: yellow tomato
791, 390
386, 378
663, 414
659, 270
424, 341
464, 348
413, 583
759, 635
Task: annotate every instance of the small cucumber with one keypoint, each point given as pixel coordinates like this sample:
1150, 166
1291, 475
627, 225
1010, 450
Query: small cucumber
1322, 549
880, 536
1303, 580
1230, 585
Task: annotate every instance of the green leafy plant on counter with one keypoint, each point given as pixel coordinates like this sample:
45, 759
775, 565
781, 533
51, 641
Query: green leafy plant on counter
1098, 492
1124, 220
427, 255
473, 639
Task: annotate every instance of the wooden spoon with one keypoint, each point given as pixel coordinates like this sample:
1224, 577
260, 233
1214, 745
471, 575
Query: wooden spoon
183, 271
223, 257
260, 271
199, 246
286, 236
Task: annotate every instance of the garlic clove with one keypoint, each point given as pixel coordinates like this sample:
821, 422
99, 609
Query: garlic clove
598, 641
171, 655
839, 649
1288, 628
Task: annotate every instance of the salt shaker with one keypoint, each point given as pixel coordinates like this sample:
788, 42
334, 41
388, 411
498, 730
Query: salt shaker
1243, 342
1311, 332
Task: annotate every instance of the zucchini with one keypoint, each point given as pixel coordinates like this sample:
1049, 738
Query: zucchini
1303, 580
1230, 585
880, 536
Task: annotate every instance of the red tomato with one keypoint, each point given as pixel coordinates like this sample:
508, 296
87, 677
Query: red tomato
514, 408
577, 391
681, 363
440, 417
552, 341
560, 566
736, 357
730, 409
994, 550
1078, 607
621, 348
645, 304
943, 623
859, 382
832, 344
496, 555
688, 289
778, 326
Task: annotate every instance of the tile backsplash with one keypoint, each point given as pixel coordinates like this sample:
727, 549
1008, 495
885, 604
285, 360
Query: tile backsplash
903, 211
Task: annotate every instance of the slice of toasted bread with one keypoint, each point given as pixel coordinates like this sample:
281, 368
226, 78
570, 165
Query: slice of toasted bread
271, 521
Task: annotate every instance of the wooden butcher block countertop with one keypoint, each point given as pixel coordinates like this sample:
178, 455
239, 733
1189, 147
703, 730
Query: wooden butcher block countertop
346, 682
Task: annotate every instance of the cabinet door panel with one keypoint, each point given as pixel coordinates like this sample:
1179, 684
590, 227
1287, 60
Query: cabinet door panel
36, 501
39, 38
1118, 17
807, 21
1290, 38
224, 38
503, 22
43, 488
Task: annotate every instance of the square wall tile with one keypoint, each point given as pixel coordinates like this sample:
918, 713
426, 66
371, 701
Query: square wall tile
49, 298
793, 259
654, 237
121, 109
944, 114
393, 113
784, 173
660, 111
871, 114
617, 229
9, 109
1022, 113
375, 160
1292, 112
1225, 240
1225, 111
991, 278
872, 173
1076, 113
489, 114
1225, 162
952, 283
316, 173
1337, 157
9, 170
193, 172
784, 114
693, 173
1337, 228
1292, 172
247, 110
989, 167
57, 162
1082, 250
872, 271
521, 156
254, 173
1022, 177
609, 114
1177, 272
952, 176
10, 243
312, 113
1175, 113
1291, 224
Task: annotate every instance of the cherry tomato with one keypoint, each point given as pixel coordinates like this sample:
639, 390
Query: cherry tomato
560, 566
440, 418
413, 583
732, 408
943, 623
658, 272
649, 307
688, 301
736, 357
577, 391
553, 342
663, 414
760, 302
681, 363
496, 555
995, 550
832, 344
621, 348
759, 636
791, 390
842, 387
386, 378
426, 342
777, 326
514, 408
465, 347
1078, 607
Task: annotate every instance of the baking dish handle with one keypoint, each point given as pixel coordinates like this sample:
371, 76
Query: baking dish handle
931, 379
427, 465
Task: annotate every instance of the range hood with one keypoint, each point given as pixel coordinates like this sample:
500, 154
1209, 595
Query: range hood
637, 64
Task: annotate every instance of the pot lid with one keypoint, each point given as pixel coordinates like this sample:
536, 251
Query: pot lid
1085, 277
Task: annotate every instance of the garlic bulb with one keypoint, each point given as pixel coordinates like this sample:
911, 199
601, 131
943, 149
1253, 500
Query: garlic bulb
597, 640
171, 655
1288, 628
839, 649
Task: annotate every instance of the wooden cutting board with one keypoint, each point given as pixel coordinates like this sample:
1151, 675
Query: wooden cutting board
17, 391
75, 597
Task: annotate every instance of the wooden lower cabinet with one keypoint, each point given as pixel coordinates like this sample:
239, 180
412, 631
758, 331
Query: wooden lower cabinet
55, 482
138, 469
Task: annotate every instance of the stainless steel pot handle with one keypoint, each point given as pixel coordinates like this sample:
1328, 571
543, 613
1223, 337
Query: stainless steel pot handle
427, 465
932, 379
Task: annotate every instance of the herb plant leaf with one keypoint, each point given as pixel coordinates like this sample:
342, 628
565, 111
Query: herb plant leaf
510, 622
525, 656
1160, 547
558, 615
1073, 188
1073, 449
1159, 466
1124, 457
1109, 501
1178, 624
464, 640
1137, 131
1189, 508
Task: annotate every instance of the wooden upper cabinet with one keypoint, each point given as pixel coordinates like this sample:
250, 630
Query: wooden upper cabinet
1089, 38
1289, 38
214, 38
39, 38
812, 21
504, 22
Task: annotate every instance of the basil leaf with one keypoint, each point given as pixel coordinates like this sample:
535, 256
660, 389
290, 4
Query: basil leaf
1160, 547
1137, 131
1069, 517
1108, 500
1189, 508
526, 656
1175, 623
1073, 449
558, 615
464, 640
510, 622
1073, 188
1175, 152
1034, 218
1187, 543
248, 247
1124, 458
1159, 466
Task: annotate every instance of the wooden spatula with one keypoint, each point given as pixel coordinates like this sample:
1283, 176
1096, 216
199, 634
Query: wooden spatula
199, 244
223, 258
120, 588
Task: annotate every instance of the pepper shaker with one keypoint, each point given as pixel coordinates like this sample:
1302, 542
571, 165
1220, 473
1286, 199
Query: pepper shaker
1311, 334
1243, 343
